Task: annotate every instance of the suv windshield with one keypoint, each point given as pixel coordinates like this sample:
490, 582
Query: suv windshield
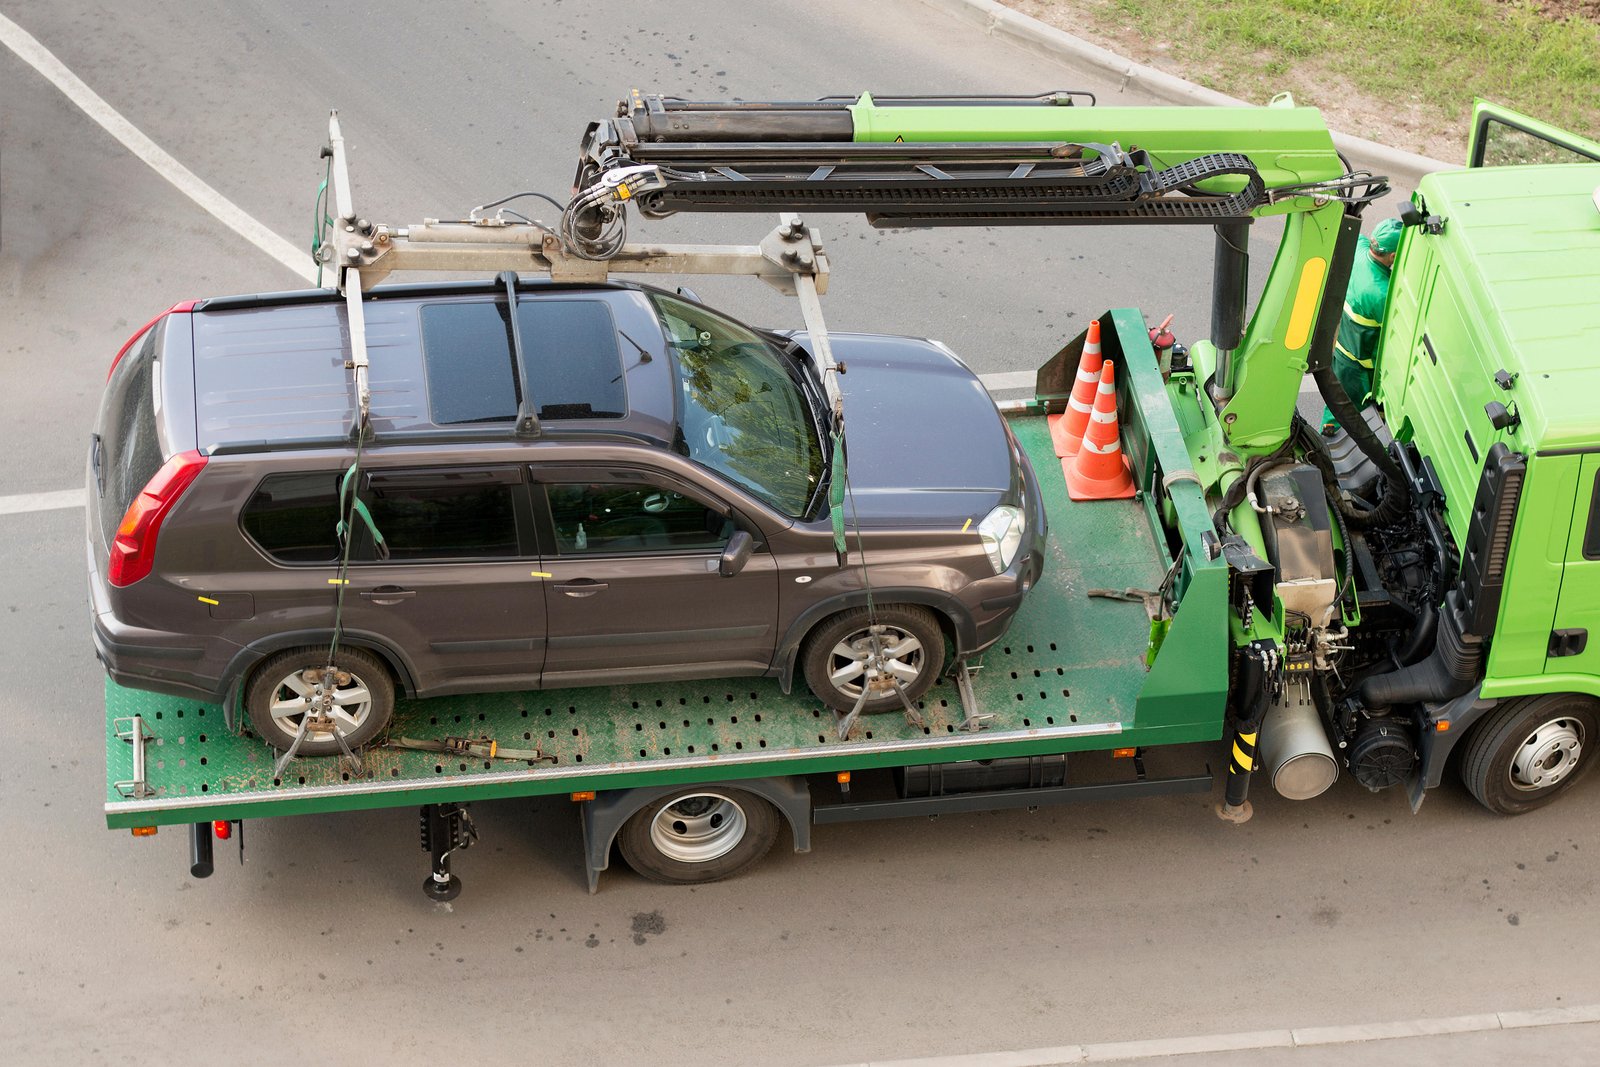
744, 412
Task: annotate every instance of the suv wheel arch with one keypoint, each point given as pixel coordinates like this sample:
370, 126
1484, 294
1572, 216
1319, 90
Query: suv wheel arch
951, 614
229, 692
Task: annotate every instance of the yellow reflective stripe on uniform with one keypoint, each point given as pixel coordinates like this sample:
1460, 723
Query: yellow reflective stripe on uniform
1361, 320
1345, 352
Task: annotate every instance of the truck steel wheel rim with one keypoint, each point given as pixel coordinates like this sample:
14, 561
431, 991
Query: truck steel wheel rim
295, 694
698, 828
1548, 755
851, 663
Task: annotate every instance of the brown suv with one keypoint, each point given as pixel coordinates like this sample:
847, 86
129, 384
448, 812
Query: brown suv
664, 514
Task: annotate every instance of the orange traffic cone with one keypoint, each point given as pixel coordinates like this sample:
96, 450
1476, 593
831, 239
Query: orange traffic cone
1066, 429
1100, 471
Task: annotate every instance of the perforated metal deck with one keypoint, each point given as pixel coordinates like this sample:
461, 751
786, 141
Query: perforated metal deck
1065, 678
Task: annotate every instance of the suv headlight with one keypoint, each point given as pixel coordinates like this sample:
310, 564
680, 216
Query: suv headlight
1002, 531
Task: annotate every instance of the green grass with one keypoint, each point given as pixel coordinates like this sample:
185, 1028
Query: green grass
1426, 57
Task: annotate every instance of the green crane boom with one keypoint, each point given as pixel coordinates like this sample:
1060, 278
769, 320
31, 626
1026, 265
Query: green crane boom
1042, 160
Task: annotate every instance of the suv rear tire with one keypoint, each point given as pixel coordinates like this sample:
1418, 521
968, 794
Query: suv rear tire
836, 654
363, 698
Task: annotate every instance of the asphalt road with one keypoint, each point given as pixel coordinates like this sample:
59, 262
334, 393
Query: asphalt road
1015, 930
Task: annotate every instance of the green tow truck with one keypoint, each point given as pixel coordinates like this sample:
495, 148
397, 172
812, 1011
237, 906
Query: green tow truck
1280, 601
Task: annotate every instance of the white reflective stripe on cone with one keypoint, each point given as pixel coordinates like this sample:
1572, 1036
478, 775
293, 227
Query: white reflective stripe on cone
1079, 405
1103, 416
1103, 450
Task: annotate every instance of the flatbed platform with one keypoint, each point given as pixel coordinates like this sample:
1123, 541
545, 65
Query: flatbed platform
1068, 676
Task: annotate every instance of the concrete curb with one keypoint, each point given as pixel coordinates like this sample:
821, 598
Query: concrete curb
1403, 168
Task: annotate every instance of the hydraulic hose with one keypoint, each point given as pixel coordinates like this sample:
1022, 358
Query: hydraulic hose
1319, 363
1423, 633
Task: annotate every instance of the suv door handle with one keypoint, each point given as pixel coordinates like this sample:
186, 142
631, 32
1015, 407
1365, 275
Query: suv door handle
388, 594
581, 587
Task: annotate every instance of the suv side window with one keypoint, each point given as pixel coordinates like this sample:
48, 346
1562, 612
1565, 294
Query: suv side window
632, 517
445, 514
437, 514
293, 517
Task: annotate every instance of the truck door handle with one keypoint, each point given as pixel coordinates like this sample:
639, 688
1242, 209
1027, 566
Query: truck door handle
1568, 642
388, 594
581, 587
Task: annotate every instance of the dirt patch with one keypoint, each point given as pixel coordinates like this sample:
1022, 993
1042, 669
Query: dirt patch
1402, 118
1561, 9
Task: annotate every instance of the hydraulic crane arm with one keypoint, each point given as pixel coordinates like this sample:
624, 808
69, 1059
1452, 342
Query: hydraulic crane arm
1045, 160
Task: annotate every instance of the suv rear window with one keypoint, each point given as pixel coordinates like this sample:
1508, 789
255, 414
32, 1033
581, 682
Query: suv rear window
571, 349
130, 447
293, 517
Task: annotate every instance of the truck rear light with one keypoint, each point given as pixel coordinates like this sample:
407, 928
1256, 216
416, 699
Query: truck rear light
222, 828
133, 550
181, 308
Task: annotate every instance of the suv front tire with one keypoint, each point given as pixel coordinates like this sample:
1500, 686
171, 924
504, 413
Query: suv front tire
838, 657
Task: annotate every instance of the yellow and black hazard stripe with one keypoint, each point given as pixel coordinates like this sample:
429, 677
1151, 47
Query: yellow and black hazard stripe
1243, 759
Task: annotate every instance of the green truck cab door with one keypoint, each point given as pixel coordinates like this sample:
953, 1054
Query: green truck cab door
1502, 137
1575, 632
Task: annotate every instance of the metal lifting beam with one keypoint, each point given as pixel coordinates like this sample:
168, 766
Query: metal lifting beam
361, 253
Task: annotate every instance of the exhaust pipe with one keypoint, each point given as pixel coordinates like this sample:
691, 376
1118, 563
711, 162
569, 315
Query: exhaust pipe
200, 852
1295, 749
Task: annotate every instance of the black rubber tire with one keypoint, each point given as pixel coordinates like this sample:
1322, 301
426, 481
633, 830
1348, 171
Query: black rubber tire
762, 824
818, 648
1491, 749
363, 665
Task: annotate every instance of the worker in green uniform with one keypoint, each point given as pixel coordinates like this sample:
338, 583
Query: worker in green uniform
1362, 320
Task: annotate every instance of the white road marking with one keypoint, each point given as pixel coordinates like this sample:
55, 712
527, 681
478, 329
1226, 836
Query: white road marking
36, 55
1124, 1051
56, 501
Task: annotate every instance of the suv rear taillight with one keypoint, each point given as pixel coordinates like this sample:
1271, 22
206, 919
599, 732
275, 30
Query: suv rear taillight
181, 308
133, 550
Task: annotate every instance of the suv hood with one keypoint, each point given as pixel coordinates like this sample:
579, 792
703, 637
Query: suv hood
927, 446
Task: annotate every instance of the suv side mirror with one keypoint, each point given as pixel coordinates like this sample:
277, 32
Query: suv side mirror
736, 554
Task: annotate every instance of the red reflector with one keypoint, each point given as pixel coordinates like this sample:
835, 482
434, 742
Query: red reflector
223, 829
181, 308
133, 551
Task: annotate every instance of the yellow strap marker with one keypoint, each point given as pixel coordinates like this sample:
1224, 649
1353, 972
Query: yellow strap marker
542, 574
208, 600
966, 526
338, 581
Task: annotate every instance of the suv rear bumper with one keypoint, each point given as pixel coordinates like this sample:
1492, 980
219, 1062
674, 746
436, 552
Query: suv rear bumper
146, 659
174, 664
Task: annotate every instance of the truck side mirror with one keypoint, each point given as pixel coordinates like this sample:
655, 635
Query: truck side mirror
736, 553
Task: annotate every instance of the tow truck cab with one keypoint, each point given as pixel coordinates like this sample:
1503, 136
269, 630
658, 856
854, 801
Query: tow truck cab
1487, 367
